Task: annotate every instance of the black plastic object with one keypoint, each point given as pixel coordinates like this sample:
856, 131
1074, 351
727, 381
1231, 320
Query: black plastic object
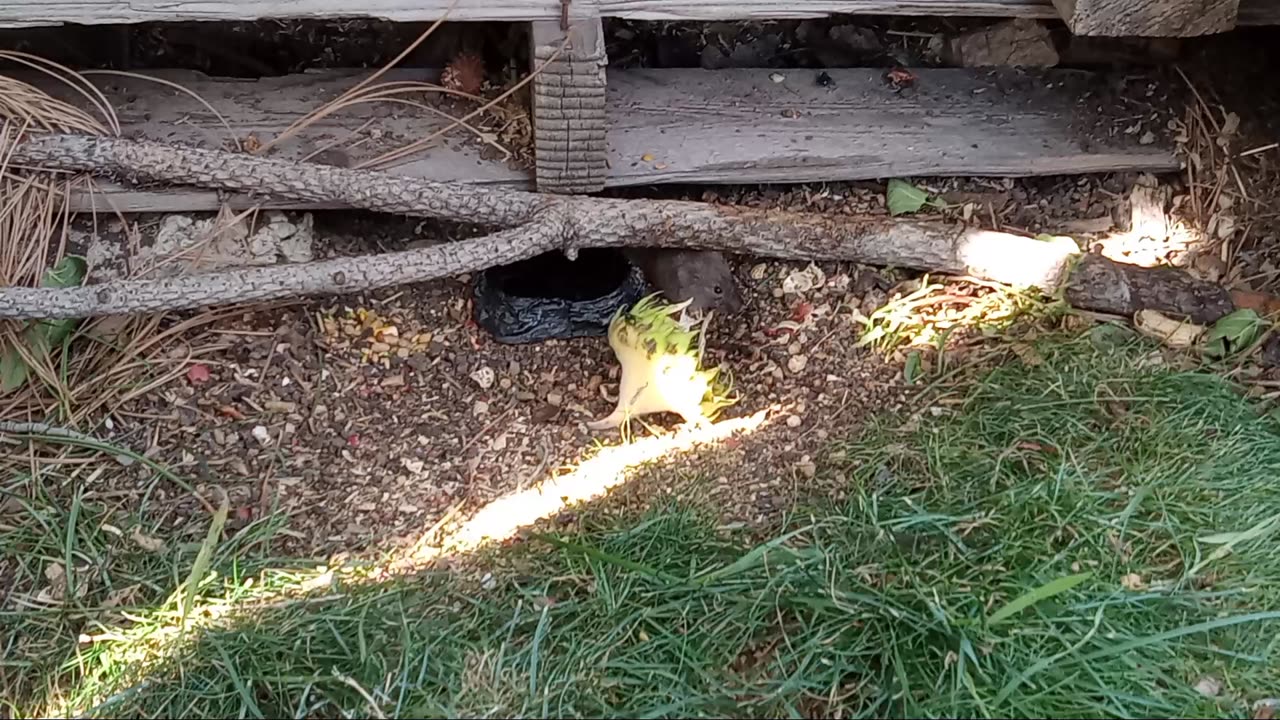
552, 297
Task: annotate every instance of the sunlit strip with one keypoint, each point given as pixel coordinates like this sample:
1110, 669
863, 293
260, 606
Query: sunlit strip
592, 478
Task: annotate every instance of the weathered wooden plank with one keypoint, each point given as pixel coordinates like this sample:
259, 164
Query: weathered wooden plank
569, 105
1148, 18
738, 125
20, 13
694, 126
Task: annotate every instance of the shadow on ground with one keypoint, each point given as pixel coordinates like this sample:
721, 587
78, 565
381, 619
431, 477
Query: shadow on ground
1084, 532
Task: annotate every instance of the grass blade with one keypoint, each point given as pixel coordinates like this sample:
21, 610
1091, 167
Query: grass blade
1031, 597
203, 558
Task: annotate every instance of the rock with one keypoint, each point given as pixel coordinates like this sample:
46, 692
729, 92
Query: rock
484, 377
1023, 42
183, 245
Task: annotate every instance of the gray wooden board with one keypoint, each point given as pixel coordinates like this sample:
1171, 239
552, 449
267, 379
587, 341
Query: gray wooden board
731, 126
1153, 18
699, 126
18, 13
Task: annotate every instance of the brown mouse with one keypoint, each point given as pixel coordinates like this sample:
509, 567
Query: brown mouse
701, 276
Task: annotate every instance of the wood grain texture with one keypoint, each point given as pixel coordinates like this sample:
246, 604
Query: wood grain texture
1148, 18
19, 13
569, 112
731, 126
696, 126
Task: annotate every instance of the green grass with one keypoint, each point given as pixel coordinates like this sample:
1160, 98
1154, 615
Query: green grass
1078, 538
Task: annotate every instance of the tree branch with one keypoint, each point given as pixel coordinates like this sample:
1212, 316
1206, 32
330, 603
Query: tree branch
327, 277
542, 222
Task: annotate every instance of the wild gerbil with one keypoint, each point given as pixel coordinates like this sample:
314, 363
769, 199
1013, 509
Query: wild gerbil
702, 276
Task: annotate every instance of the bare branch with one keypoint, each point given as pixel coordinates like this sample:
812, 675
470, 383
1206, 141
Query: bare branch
545, 222
328, 277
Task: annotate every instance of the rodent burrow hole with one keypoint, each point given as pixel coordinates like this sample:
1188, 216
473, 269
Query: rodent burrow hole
596, 273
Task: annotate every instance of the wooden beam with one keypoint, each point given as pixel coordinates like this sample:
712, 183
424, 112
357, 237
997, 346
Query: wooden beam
569, 123
672, 126
1148, 18
25, 13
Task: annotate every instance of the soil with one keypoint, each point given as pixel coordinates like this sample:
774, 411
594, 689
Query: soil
370, 420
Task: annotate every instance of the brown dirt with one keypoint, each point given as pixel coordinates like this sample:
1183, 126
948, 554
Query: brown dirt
368, 420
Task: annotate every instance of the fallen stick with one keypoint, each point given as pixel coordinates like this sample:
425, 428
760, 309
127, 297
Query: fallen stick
537, 223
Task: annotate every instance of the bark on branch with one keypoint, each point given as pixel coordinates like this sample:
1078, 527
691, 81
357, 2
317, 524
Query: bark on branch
538, 223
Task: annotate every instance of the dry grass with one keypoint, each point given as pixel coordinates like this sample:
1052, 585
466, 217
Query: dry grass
1219, 177
405, 93
73, 384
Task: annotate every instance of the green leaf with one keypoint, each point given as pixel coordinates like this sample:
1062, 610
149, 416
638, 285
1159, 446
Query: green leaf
69, 272
1233, 333
1031, 597
912, 370
43, 334
13, 371
902, 197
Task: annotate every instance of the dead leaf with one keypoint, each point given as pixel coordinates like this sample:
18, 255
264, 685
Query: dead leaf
1027, 354
56, 590
121, 596
55, 573
198, 373
1208, 686
1230, 124
801, 311
145, 541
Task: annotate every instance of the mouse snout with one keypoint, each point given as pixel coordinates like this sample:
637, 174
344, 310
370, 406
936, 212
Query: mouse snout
729, 298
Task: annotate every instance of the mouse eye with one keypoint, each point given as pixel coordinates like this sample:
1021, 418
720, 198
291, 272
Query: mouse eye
718, 291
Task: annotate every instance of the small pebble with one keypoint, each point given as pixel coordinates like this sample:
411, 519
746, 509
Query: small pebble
793, 421
484, 377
